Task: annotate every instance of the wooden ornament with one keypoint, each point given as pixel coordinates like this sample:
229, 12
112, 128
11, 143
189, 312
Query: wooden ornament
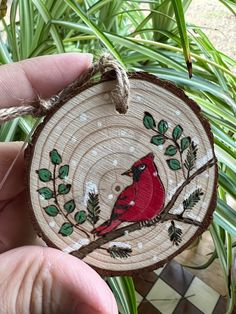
123, 192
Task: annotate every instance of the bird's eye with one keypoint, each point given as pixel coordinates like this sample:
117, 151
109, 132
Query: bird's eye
142, 167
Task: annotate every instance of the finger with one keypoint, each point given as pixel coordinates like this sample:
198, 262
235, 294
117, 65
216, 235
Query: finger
42, 76
50, 281
15, 182
15, 224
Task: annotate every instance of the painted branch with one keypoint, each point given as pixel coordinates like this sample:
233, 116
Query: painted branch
165, 216
182, 219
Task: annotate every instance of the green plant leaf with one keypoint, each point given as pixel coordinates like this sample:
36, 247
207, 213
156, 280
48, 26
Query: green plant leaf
173, 164
177, 132
44, 174
45, 193
184, 143
63, 171
99, 34
148, 121
66, 229
64, 188
162, 126
51, 210
157, 140
180, 20
69, 206
171, 150
81, 216
55, 157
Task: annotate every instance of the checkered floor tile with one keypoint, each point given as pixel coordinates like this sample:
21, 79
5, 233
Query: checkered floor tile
174, 290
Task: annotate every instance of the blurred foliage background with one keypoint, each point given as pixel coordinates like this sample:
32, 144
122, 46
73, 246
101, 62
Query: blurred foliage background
150, 36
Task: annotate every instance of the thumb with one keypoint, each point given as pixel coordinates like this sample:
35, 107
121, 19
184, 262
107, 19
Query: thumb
44, 280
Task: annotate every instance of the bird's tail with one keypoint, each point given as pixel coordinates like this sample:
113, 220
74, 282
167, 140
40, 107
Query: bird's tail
106, 227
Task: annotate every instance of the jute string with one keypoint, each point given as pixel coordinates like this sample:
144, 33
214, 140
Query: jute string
106, 64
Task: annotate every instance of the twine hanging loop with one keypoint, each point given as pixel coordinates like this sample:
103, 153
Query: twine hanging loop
106, 64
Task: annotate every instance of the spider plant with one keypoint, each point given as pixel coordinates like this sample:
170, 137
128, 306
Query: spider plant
149, 36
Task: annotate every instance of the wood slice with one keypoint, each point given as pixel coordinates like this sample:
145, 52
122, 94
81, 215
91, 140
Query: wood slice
123, 192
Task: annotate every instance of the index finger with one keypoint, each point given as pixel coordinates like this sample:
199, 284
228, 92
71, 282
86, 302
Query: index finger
42, 76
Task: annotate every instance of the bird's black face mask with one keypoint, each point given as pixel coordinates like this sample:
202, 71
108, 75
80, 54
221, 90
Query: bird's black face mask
137, 172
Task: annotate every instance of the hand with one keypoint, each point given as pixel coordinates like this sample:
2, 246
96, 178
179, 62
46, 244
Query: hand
35, 279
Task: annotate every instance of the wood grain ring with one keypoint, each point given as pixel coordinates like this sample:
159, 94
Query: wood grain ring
98, 144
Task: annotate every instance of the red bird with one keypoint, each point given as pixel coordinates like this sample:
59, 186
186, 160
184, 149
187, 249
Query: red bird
140, 201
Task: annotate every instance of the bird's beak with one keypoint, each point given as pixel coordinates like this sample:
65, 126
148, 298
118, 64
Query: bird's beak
128, 173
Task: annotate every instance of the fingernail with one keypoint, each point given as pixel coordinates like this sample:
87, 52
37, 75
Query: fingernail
83, 308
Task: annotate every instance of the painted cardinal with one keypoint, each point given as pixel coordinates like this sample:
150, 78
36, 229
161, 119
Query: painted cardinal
140, 201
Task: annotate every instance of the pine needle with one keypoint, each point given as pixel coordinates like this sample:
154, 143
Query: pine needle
121, 252
93, 208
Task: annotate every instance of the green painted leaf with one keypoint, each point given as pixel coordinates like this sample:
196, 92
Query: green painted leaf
173, 164
55, 157
64, 188
184, 143
46, 193
148, 121
51, 210
44, 174
162, 126
177, 132
81, 216
66, 229
171, 150
63, 171
157, 139
69, 206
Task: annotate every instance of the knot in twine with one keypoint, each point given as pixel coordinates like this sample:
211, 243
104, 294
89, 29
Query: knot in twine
106, 64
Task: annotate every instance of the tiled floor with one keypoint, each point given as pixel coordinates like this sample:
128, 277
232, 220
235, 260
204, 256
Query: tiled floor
174, 290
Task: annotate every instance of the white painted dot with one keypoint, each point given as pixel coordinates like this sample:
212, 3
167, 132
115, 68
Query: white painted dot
106, 96
74, 139
57, 128
110, 196
74, 163
126, 232
196, 140
115, 162
131, 149
177, 112
169, 124
99, 124
83, 117
94, 152
42, 197
131, 203
52, 224
84, 241
76, 246
160, 147
170, 181
155, 174
140, 245
66, 179
67, 249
